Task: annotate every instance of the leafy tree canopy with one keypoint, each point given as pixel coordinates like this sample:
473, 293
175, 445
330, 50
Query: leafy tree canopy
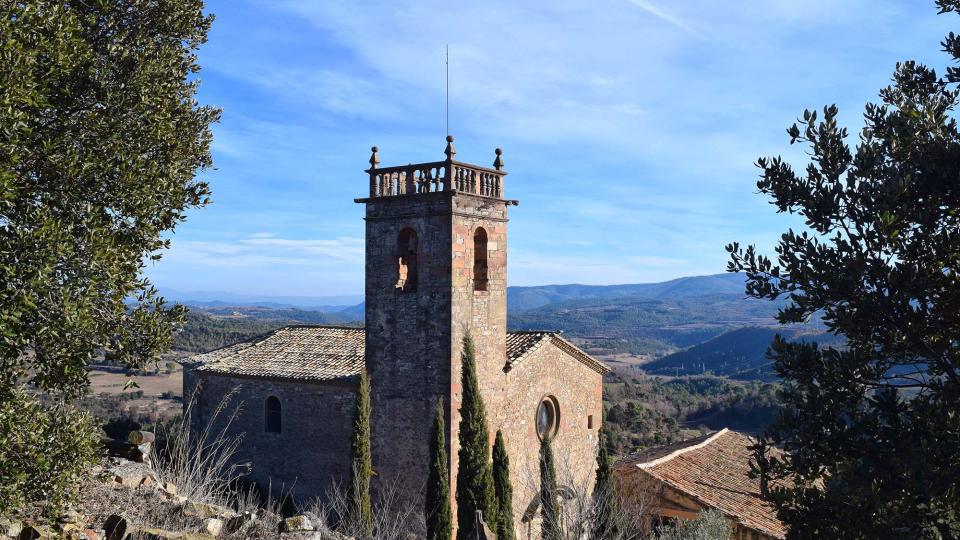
100, 141
709, 524
870, 432
605, 497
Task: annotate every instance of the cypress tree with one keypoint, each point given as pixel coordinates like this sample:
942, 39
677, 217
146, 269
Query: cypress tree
605, 501
474, 477
504, 490
549, 508
437, 504
359, 511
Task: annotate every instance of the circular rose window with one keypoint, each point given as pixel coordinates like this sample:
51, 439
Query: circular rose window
548, 417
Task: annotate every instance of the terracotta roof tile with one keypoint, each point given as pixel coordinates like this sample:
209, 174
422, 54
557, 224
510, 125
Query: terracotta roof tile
521, 344
714, 470
318, 353
323, 353
650, 454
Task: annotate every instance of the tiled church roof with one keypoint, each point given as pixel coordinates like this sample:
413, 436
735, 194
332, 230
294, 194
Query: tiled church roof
326, 353
714, 470
307, 353
521, 344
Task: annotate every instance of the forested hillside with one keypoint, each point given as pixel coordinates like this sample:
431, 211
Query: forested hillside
649, 411
648, 326
738, 354
218, 327
527, 298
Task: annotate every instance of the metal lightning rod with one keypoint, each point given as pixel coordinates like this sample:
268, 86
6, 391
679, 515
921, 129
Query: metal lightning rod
448, 89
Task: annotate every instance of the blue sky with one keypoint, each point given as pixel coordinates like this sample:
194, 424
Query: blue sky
629, 127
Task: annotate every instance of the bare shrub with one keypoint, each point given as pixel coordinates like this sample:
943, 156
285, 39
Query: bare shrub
201, 462
579, 505
397, 512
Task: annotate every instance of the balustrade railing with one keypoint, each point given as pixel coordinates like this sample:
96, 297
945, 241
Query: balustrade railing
437, 176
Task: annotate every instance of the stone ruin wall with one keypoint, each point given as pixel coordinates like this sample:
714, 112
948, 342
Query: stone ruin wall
312, 449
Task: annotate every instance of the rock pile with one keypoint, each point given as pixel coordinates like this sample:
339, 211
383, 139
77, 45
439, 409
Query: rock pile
126, 500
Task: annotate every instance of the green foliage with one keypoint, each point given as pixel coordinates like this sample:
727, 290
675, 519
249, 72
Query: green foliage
475, 489
44, 452
870, 432
203, 333
551, 528
709, 525
504, 489
102, 138
439, 516
605, 498
208, 329
649, 411
359, 509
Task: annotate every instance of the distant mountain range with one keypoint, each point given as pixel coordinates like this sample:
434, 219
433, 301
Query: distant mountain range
518, 298
652, 319
737, 354
689, 325
205, 299
528, 298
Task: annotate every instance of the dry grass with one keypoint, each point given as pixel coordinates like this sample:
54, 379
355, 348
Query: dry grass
144, 506
153, 386
396, 515
579, 505
201, 463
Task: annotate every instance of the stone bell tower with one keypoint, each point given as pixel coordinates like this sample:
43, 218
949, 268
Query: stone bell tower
436, 267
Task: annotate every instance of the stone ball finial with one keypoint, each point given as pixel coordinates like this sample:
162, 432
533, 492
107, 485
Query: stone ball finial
498, 162
374, 157
450, 151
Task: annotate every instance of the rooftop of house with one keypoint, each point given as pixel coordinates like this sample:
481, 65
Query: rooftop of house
714, 470
330, 353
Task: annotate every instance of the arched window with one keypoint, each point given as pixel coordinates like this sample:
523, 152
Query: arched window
407, 260
273, 415
480, 260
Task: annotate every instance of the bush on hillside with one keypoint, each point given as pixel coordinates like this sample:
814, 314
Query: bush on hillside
44, 451
710, 525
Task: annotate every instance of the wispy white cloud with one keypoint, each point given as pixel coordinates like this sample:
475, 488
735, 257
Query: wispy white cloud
260, 249
630, 127
661, 13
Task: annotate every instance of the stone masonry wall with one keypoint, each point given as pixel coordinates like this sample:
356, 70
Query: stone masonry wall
407, 332
482, 313
548, 371
414, 345
313, 448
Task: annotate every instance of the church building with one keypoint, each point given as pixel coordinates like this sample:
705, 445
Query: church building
436, 269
